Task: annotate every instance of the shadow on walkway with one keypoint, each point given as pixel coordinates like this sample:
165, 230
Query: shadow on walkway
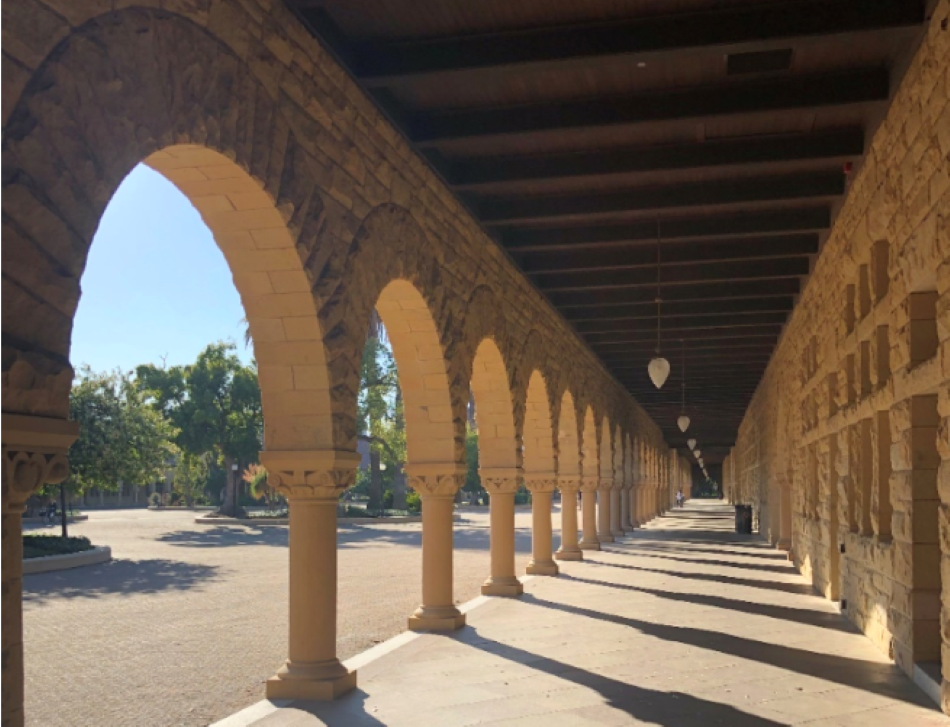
118, 577
875, 677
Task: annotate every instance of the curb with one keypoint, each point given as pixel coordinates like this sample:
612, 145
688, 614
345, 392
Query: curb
95, 556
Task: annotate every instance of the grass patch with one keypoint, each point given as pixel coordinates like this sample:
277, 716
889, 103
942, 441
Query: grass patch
39, 546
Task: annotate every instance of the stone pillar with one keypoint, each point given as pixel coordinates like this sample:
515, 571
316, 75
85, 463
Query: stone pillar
589, 539
569, 550
34, 454
633, 494
604, 510
437, 485
312, 482
617, 510
501, 484
542, 560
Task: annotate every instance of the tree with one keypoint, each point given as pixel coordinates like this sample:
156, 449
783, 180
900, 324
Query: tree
121, 438
216, 405
191, 476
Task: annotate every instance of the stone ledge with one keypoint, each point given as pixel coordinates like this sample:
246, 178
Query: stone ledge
95, 556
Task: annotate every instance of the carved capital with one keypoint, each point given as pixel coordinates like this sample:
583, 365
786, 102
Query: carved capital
541, 483
310, 475
500, 485
436, 479
34, 454
589, 483
605, 484
568, 484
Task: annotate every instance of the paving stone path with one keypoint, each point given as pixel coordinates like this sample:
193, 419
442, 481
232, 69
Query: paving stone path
683, 625
187, 622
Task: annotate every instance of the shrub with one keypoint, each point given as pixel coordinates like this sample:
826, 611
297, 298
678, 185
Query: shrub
38, 546
388, 500
413, 502
155, 499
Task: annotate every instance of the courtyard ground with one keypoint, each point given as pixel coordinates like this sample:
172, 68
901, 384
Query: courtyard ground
187, 622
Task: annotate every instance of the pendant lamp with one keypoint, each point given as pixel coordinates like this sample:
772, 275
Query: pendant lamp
659, 367
697, 454
691, 443
683, 421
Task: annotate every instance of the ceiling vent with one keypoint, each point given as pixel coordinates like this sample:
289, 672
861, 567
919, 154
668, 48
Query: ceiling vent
766, 61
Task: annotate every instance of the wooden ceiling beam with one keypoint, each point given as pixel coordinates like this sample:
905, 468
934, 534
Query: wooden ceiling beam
380, 62
676, 274
630, 257
839, 88
674, 309
500, 209
470, 173
671, 326
609, 299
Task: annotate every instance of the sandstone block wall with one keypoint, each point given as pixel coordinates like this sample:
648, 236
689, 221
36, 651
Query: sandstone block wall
850, 422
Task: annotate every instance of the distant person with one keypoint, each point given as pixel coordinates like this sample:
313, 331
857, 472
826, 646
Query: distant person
51, 512
680, 498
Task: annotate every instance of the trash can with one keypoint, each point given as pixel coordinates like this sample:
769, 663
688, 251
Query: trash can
744, 519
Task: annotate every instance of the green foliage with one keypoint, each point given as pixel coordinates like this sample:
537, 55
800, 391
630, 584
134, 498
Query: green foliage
413, 501
121, 437
256, 478
39, 546
155, 499
473, 483
215, 403
522, 496
191, 477
388, 500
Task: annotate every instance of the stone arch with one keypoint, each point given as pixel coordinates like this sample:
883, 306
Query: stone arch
423, 373
628, 450
497, 446
568, 443
538, 435
590, 459
606, 451
65, 154
390, 247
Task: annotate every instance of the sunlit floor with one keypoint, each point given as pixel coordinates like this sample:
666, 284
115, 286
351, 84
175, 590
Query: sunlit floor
683, 624
187, 622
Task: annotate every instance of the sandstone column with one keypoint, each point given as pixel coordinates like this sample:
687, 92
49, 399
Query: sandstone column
437, 485
617, 510
542, 488
633, 495
34, 453
501, 484
569, 550
312, 482
589, 539
604, 510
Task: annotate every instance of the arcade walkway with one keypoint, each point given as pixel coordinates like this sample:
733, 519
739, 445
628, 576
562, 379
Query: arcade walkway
684, 623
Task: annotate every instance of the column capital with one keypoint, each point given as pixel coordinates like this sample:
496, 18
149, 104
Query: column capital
498, 480
310, 474
34, 454
606, 483
589, 483
539, 482
436, 479
568, 483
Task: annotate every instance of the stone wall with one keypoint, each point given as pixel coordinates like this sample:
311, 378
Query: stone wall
852, 413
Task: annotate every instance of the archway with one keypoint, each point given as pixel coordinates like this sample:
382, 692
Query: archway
590, 466
606, 484
569, 477
431, 462
540, 475
498, 462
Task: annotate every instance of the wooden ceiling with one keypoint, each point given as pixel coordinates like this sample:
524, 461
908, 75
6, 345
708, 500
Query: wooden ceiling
578, 131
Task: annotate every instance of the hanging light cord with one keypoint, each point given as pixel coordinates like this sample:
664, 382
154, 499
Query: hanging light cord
659, 299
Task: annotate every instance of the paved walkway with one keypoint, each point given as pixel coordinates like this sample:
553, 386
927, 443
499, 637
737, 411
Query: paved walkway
683, 624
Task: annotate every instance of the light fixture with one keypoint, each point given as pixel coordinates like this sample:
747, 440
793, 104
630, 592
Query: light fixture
659, 367
697, 454
691, 443
701, 463
683, 421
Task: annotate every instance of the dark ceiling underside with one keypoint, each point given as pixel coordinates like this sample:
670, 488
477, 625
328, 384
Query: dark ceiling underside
574, 130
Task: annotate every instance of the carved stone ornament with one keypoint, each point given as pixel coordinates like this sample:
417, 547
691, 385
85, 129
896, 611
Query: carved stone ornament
316, 475
34, 454
500, 485
538, 485
436, 485
589, 483
605, 484
568, 484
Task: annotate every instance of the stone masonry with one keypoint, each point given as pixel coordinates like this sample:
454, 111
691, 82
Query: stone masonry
845, 449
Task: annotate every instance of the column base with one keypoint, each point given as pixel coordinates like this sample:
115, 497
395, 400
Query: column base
506, 587
541, 568
604, 538
619, 533
445, 618
784, 544
590, 545
322, 683
569, 555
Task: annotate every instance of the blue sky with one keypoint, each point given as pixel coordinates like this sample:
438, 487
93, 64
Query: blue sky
155, 283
